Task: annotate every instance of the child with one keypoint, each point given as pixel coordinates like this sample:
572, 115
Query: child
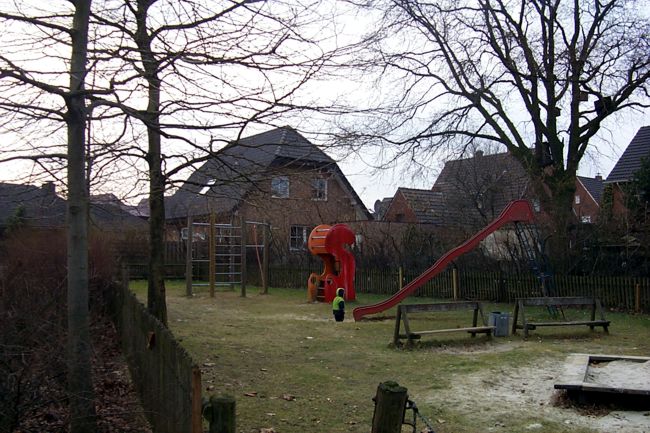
338, 305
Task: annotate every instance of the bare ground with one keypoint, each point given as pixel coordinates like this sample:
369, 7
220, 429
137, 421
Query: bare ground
501, 393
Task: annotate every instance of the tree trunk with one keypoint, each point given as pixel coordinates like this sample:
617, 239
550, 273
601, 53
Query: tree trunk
156, 303
80, 386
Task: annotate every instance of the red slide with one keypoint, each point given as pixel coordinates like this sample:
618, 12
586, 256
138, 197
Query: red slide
518, 210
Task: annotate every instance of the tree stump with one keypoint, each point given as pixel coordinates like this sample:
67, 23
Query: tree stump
220, 413
390, 404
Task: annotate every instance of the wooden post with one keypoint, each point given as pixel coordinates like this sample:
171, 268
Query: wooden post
211, 253
125, 276
390, 403
188, 258
220, 413
455, 281
637, 298
265, 259
197, 406
401, 277
243, 255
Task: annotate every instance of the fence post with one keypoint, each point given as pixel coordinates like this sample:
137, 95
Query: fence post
243, 253
265, 258
125, 276
197, 424
637, 298
401, 277
454, 281
390, 403
220, 413
188, 258
211, 251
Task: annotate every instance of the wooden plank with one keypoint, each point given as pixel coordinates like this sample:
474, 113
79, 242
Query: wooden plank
443, 306
575, 323
477, 329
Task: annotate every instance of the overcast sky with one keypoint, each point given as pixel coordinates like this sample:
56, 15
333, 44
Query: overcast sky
372, 184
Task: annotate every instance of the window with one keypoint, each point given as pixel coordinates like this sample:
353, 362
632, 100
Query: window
319, 189
586, 219
208, 186
298, 238
536, 206
196, 235
280, 187
577, 199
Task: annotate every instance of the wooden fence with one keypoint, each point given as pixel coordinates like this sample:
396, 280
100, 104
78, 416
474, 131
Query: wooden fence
624, 293
165, 376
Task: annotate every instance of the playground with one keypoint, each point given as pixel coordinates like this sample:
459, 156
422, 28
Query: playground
293, 369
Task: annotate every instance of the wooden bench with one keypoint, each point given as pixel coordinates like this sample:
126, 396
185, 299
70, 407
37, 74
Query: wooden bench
558, 303
404, 310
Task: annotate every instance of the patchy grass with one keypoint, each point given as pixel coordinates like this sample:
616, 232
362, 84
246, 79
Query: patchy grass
305, 373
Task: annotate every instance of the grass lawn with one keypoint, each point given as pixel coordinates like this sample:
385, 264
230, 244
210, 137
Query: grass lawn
291, 367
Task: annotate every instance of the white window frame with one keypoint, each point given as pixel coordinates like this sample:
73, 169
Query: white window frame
301, 232
276, 184
585, 219
319, 189
576, 199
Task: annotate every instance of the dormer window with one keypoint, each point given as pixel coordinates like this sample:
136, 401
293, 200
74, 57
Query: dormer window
319, 189
280, 187
208, 186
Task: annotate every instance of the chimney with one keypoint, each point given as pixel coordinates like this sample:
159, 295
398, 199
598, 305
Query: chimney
49, 188
599, 177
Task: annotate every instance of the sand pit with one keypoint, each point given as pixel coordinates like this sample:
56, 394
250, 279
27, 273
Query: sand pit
502, 395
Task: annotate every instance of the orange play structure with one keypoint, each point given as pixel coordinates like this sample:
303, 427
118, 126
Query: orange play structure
328, 242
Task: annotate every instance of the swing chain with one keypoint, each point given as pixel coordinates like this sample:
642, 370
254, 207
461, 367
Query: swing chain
410, 404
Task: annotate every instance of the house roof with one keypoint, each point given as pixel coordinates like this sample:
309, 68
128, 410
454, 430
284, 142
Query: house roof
43, 208
427, 205
630, 160
476, 189
220, 183
594, 186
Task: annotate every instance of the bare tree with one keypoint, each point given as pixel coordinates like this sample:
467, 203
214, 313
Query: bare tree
68, 27
186, 61
538, 77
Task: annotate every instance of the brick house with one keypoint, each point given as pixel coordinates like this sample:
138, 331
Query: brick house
415, 206
41, 208
588, 198
277, 177
471, 192
622, 174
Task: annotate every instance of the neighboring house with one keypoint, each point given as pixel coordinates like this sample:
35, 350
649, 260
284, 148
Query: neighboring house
588, 198
277, 177
475, 190
112, 200
623, 172
41, 208
415, 206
